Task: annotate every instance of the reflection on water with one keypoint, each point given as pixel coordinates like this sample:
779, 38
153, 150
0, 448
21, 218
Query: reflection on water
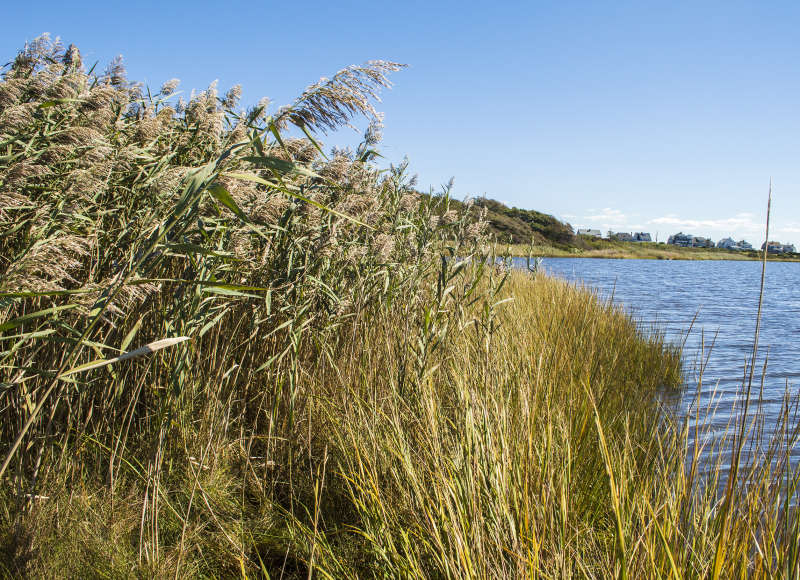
711, 307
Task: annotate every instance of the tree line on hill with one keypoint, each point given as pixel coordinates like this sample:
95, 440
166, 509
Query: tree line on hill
520, 226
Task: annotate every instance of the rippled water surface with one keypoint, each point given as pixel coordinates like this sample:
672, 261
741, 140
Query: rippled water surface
721, 297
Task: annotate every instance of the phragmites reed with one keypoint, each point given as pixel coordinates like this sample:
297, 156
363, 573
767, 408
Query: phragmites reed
224, 353
330, 103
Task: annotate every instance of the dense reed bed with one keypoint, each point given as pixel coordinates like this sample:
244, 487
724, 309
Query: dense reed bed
225, 353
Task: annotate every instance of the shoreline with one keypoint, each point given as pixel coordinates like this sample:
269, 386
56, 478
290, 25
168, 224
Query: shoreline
624, 251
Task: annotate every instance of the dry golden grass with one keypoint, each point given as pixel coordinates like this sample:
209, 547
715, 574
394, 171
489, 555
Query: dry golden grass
352, 400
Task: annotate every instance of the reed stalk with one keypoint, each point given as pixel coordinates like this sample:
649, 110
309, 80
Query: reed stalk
227, 353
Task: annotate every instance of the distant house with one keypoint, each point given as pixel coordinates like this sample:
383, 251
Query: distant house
778, 248
689, 241
588, 232
681, 239
620, 236
730, 244
642, 237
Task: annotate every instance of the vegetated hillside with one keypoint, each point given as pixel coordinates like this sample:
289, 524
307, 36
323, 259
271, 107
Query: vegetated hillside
521, 226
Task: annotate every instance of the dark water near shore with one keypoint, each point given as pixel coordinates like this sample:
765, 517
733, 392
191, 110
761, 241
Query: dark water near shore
718, 301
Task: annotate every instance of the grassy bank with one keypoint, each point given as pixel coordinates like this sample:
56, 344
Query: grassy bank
644, 251
515, 228
390, 463
227, 354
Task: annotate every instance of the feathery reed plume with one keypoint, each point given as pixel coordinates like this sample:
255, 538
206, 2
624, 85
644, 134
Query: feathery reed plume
331, 103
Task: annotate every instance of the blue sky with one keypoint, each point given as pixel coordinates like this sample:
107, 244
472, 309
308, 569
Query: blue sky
654, 116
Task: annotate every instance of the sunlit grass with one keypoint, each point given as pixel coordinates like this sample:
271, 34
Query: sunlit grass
224, 354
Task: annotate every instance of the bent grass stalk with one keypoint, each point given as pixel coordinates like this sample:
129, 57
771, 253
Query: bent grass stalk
739, 442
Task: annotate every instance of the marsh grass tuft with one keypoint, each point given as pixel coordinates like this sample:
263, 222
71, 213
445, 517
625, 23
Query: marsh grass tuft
329, 387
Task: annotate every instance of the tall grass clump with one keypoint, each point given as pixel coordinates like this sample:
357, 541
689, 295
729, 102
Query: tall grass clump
226, 353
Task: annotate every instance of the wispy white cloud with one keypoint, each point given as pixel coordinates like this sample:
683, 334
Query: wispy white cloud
607, 213
739, 222
607, 218
787, 229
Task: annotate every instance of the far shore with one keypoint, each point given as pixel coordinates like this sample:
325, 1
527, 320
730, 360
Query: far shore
645, 251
